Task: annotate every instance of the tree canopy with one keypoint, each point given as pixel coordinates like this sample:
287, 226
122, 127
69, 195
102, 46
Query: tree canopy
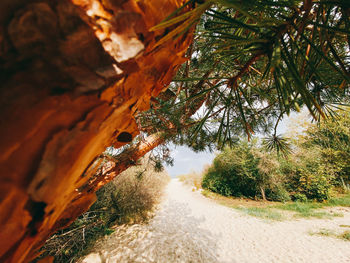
251, 63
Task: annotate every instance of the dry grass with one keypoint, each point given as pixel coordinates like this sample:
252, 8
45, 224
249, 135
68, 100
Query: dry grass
235, 202
129, 198
193, 178
138, 190
331, 233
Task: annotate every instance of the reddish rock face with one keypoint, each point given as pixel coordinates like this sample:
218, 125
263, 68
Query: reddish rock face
73, 74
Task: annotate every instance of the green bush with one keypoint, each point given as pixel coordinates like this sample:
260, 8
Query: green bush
308, 175
319, 187
319, 161
279, 194
234, 172
332, 137
245, 170
298, 197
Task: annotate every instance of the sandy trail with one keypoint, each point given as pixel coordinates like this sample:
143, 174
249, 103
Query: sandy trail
191, 228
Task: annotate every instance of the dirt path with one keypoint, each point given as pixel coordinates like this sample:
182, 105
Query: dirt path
192, 228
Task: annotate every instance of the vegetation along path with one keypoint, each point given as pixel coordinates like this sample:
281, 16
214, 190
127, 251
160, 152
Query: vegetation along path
191, 228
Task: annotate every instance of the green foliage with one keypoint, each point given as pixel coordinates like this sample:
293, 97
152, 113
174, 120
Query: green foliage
244, 170
265, 59
304, 208
252, 62
298, 197
308, 177
332, 137
340, 201
320, 160
234, 172
279, 144
279, 193
311, 209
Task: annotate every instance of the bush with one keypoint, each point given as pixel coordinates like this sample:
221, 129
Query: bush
137, 192
279, 194
128, 198
298, 197
234, 172
308, 175
319, 161
332, 137
319, 187
246, 170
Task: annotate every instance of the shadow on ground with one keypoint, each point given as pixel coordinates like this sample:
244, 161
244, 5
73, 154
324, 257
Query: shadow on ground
173, 235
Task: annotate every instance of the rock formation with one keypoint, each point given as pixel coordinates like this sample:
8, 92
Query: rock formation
73, 74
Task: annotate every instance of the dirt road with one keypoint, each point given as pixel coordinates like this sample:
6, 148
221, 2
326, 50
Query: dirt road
191, 228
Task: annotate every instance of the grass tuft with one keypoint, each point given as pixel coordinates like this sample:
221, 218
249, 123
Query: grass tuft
265, 213
324, 232
339, 201
345, 236
330, 233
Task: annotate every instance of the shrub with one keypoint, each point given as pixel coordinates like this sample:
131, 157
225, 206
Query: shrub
298, 197
279, 194
128, 198
137, 192
234, 172
246, 170
308, 174
332, 137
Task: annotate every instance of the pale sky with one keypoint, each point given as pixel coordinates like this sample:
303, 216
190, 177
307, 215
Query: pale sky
186, 160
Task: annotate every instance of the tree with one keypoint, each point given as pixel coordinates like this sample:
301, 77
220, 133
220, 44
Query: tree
332, 138
73, 75
265, 59
246, 170
250, 64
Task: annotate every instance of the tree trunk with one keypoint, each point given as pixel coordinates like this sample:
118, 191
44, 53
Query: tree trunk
262, 190
123, 161
73, 75
130, 156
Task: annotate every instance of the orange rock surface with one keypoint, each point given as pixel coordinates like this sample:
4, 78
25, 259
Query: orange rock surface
73, 74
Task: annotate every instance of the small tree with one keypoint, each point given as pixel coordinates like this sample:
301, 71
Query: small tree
332, 137
245, 170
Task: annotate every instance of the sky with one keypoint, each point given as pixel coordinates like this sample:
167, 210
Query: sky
186, 160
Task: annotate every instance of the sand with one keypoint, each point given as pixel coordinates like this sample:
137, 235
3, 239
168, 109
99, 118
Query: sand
191, 228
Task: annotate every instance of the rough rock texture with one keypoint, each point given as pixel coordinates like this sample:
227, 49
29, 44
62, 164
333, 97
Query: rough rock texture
73, 74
